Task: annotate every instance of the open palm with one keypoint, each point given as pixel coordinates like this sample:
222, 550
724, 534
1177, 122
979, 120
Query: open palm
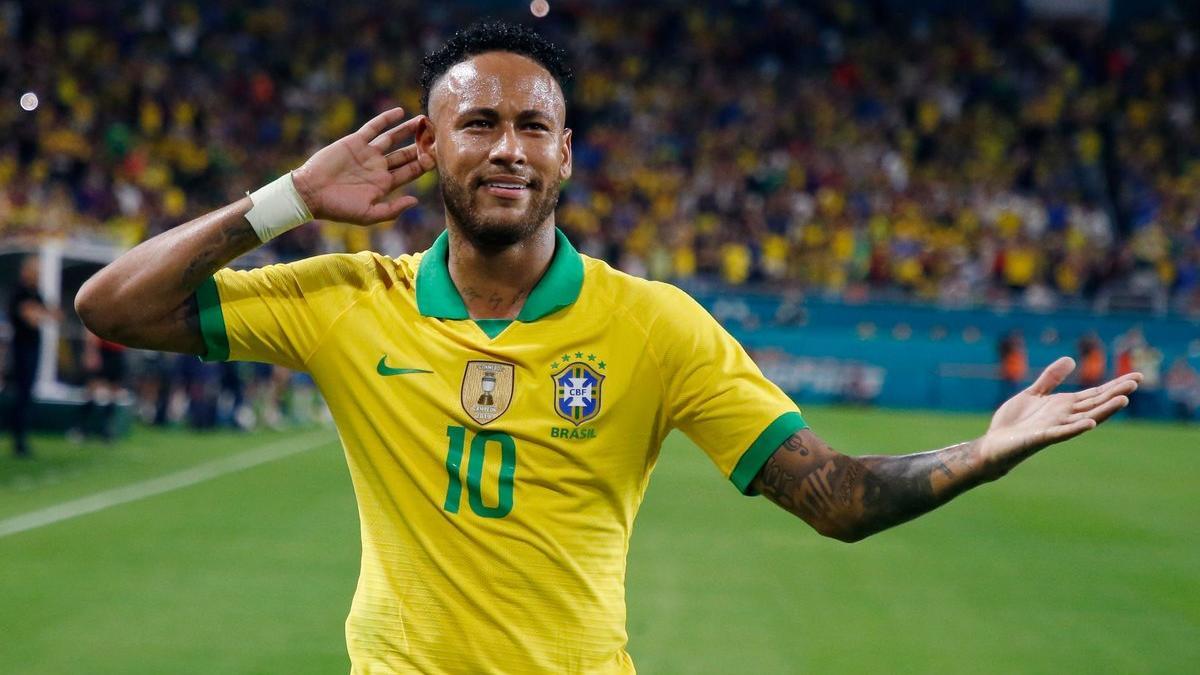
349, 180
1038, 417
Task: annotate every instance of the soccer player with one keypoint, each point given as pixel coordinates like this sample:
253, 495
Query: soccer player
501, 398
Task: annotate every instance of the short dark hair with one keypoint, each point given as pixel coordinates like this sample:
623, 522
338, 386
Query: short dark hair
494, 36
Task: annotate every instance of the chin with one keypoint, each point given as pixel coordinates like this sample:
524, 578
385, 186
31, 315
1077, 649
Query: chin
495, 227
494, 233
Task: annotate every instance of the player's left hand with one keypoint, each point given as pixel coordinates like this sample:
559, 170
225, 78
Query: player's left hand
1038, 417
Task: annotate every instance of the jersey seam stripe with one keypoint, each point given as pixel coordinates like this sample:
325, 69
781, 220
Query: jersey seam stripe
212, 321
376, 283
755, 456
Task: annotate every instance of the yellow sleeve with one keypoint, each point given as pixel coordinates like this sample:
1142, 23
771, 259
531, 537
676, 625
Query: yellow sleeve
279, 313
716, 394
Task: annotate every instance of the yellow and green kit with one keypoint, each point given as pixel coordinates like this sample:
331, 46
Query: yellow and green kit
498, 465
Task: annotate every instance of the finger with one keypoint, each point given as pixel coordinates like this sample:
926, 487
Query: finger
1129, 381
409, 172
386, 140
1101, 412
1063, 432
1106, 392
428, 161
1109, 409
402, 156
1053, 375
391, 209
410, 153
377, 124
1127, 377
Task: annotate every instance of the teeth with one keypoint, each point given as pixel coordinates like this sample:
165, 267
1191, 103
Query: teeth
515, 186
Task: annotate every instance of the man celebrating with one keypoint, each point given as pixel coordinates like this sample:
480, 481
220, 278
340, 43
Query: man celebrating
502, 398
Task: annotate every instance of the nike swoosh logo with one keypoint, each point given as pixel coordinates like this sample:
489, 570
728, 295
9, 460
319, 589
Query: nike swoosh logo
384, 369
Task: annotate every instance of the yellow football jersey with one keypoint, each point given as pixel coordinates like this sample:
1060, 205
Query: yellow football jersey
498, 465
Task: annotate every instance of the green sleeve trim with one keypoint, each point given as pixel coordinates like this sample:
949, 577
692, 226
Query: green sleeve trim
763, 447
212, 322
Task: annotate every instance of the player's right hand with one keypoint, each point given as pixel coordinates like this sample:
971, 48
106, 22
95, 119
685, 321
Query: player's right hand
351, 179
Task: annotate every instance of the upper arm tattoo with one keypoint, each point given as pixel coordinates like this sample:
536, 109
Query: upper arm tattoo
179, 332
189, 318
852, 497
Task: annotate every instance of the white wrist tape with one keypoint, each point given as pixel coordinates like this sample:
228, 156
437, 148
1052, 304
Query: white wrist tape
277, 208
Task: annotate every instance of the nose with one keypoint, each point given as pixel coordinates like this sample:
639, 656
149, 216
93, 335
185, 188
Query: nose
507, 150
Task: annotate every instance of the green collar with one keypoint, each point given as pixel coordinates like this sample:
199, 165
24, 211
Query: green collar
558, 288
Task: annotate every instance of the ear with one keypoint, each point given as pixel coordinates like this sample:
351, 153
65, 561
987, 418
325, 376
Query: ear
426, 137
564, 169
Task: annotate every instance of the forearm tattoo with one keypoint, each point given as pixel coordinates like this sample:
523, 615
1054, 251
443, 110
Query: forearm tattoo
236, 238
182, 331
852, 497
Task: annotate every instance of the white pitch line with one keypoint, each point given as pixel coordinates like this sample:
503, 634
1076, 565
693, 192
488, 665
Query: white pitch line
156, 486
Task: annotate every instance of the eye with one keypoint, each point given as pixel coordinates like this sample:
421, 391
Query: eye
478, 124
537, 126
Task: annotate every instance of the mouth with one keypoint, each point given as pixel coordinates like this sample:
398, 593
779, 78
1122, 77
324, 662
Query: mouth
506, 187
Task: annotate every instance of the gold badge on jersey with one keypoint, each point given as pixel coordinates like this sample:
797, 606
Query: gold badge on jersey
487, 389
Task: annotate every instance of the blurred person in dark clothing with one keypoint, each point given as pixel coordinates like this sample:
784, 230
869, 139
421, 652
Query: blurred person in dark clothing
104, 368
232, 410
26, 313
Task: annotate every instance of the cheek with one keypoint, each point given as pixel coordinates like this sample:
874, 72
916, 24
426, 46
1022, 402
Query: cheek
463, 149
547, 157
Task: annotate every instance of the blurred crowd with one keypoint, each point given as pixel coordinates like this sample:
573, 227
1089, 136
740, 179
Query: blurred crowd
176, 390
1167, 390
844, 148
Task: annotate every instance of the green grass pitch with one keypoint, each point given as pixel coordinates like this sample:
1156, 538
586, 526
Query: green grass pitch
1086, 559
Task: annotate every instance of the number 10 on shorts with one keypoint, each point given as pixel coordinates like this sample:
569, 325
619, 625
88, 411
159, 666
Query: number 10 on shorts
480, 445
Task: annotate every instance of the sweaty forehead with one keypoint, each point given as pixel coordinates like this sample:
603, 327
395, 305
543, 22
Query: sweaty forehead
500, 80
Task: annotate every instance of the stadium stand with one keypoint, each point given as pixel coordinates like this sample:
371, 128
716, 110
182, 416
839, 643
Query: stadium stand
849, 151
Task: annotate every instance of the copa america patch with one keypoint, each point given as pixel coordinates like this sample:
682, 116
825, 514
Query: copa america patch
577, 392
487, 389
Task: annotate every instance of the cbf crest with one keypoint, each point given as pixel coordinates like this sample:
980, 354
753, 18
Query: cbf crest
487, 389
577, 392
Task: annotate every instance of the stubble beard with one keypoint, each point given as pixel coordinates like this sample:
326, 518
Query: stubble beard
496, 235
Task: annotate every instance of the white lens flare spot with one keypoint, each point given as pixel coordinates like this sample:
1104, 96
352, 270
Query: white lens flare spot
29, 101
539, 8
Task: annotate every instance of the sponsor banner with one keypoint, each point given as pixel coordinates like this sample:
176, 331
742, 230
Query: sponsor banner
821, 377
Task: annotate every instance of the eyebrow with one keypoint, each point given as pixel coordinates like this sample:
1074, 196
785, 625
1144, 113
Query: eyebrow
492, 113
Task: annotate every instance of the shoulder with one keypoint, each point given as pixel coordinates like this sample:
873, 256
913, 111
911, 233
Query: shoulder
621, 289
389, 272
653, 304
363, 271
330, 281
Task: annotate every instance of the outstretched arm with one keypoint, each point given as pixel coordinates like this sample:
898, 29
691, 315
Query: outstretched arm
35, 312
146, 298
850, 498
